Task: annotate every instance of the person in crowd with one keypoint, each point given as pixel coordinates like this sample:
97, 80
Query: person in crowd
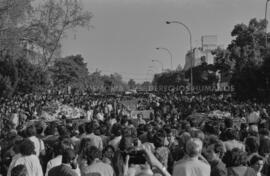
191, 165
29, 158
68, 165
38, 143
16, 156
232, 141
257, 162
108, 154
117, 136
60, 148
252, 147
235, 161
93, 157
96, 140
214, 152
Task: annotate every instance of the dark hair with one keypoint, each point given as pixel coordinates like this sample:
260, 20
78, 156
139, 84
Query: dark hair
230, 134
251, 145
31, 131
90, 127
228, 123
108, 147
27, 147
64, 144
85, 142
255, 159
235, 157
158, 138
126, 143
211, 128
19, 170
81, 128
68, 155
116, 129
91, 153
218, 146
39, 129
264, 147
62, 130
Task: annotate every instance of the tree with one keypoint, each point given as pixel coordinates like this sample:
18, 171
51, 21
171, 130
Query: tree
36, 31
70, 71
50, 23
131, 84
243, 59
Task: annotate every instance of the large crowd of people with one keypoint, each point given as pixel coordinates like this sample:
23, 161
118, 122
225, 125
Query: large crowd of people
183, 136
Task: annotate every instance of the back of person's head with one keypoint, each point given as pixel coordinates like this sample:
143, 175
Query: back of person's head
89, 128
31, 131
252, 145
39, 127
85, 142
126, 143
117, 129
218, 145
68, 155
254, 159
234, 158
62, 130
264, 147
92, 153
19, 170
230, 134
211, 128
159, 138
197, 134
194, 147
64, 144
228, 123
27, 147
81, 128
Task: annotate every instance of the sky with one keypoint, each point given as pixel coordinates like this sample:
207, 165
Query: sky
125, 33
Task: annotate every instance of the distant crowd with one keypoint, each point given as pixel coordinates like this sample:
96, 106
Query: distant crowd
178, 138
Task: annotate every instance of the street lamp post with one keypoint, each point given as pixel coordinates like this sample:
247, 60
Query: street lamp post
191, 49
166, 49
154, 60
265, 18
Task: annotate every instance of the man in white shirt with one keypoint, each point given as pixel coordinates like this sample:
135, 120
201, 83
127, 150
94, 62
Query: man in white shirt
191, 165
29, 159
95, 140
38, 143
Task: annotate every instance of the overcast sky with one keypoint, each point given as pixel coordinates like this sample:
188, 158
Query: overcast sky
126, 32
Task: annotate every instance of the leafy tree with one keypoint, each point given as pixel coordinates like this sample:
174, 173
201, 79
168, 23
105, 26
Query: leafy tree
30, 77
50, 23
70, 71
131, 84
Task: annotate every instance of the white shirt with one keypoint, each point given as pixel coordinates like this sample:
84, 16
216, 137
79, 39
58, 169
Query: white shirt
31, 163
38, 143
57, 161
11, 166
191, 167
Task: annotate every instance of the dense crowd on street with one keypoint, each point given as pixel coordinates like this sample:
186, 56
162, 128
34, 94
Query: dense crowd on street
179, 138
